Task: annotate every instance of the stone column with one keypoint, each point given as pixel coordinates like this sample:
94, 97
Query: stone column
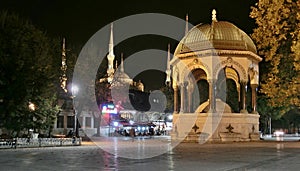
175, 99
190, 99
253, 97
243, 97
212, 96
183, 97
185, 100
189, 107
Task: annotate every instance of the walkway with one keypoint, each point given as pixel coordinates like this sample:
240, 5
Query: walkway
186, 156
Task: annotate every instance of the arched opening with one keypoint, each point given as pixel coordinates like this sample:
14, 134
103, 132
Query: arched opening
201, 91
232, 96
227, 88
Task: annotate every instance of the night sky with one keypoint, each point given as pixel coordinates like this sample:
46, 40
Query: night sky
79, 20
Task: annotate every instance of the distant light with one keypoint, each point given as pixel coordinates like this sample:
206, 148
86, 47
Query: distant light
74, 90
170, 117
31, 106
109, 108
116, 124
131, 122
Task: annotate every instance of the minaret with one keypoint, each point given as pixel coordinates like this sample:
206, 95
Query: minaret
186, 24
122, 63
63, 78
168, 71
111, 56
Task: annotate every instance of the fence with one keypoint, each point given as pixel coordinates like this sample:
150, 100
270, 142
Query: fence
39, 142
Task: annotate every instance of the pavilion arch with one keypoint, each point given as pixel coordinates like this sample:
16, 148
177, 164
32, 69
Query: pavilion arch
229, 62
196, 64
200, 93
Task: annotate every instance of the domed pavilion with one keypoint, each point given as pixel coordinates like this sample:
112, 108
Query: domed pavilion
213, 68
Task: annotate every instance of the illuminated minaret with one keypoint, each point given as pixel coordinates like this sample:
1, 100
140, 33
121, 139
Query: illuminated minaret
63, 78
122, 63
168, 71
186, 24
111, 56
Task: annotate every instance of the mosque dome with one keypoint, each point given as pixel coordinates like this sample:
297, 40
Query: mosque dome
121, 77
220, 35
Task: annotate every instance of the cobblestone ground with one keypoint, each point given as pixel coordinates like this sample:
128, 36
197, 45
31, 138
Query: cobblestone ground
186, 156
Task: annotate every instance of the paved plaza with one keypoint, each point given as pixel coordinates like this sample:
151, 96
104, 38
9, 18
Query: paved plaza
260, 155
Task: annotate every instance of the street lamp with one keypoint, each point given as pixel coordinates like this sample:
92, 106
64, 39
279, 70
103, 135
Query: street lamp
32, 108
74, 93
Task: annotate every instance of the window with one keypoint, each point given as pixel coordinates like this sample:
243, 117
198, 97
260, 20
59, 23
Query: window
88, 122
60, 122
70, 122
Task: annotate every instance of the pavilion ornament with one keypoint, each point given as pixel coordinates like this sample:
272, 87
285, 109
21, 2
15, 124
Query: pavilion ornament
232, 63
195, 128
229, 128
253, 74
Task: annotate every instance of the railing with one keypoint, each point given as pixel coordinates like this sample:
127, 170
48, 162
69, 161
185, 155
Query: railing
39, 142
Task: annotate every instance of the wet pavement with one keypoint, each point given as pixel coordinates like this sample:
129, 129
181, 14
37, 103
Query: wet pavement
186, 156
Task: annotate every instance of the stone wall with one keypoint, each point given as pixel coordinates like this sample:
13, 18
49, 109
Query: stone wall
215, 124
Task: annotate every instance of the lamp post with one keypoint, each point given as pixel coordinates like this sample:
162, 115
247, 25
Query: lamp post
74, 93
32, 108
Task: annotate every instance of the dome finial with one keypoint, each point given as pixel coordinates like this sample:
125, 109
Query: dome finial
214, 15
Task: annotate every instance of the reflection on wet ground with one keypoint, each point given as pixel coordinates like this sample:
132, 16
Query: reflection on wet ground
186, 156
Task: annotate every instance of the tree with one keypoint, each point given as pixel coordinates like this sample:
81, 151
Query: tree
277, 38
292, 119
168, 92
29, 74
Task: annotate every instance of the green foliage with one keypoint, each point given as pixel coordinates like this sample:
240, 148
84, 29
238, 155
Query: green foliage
29, 72
277, 38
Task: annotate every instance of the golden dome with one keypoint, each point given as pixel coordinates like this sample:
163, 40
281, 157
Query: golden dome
218, 35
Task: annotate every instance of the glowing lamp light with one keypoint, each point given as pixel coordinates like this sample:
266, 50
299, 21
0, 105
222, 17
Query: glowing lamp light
31, 106
116, 124
131, 122
74, 90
